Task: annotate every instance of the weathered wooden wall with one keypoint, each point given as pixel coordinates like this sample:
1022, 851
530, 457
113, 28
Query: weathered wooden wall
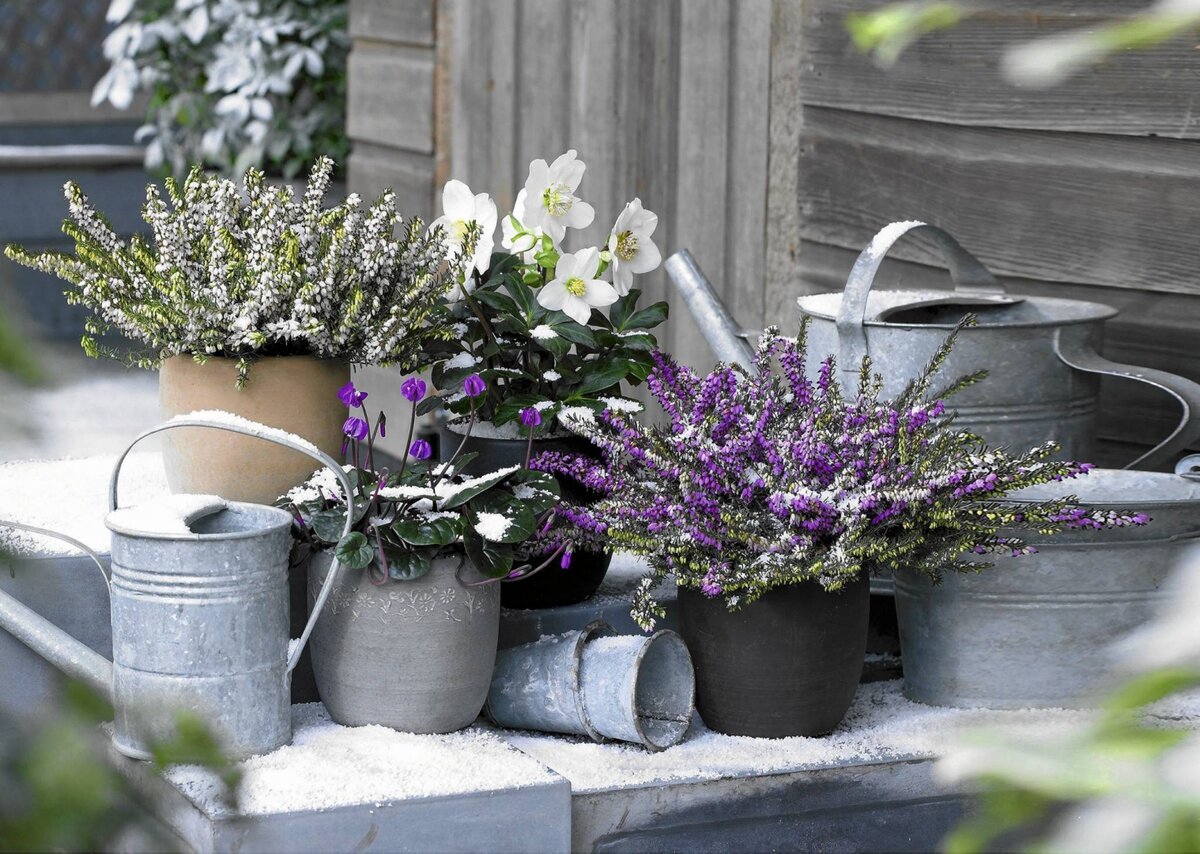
1088, 190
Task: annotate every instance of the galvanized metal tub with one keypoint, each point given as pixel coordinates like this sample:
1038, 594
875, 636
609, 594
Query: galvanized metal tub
1041, 354
1034, 630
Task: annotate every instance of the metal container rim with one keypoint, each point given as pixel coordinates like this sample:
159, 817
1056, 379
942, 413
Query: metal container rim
1100, 311
284, 523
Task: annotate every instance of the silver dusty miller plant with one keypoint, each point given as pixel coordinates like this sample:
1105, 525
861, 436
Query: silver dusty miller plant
231, 83
247, 271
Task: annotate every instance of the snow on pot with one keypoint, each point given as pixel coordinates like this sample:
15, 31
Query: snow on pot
1033, 630
595, 683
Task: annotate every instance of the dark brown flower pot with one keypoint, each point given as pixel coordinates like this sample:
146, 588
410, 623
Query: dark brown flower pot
786, 665
553, 586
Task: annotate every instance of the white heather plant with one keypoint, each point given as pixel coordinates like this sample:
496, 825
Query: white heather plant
249, 271
548, 329
232, 83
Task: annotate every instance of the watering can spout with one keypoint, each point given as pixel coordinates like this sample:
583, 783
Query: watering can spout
723, 334
69, 655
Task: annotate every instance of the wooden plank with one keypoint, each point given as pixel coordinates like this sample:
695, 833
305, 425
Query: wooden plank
703, 153
1154, 330
397, 21
1111, 211
390, 96
749, 111
64, 108
953, 76
545, 77
374, 168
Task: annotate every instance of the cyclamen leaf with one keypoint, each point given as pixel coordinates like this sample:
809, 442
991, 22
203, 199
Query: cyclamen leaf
328, 524
521, 519
407, 564
427, 532
481, 486
355, 551
494, 560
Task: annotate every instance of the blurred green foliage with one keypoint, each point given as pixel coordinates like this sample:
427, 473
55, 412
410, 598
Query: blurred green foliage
61, 791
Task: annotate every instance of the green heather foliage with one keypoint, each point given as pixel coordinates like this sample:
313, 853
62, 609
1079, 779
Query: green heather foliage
249, 271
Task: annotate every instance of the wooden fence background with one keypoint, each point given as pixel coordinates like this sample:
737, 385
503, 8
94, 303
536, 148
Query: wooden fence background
774, 150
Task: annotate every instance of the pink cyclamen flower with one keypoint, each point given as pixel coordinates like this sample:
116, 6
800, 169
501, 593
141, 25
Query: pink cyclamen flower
473, 386
413, 389
530, 417
420, 449
351, 396
355, 428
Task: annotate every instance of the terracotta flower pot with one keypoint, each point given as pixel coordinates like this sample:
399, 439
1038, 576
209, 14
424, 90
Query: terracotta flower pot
785, 665
416, 656
294, 393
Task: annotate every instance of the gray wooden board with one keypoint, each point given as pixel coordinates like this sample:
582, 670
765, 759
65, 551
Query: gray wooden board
1112, 211
389, 98
1155, 330
953, 76
373, 168
399, 21
881, 806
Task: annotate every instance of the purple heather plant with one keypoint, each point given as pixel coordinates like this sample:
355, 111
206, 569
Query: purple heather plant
766, 479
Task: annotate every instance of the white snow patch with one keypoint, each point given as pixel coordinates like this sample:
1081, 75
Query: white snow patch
551, 375
461, 360
444, 491
488, 430
543, 405
881, 725
888, 235
170, 514
328, 765
71, 497
621, 404
576, 413
222, 417
492, 526
542, 332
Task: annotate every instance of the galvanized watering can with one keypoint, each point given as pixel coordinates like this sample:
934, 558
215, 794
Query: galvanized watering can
199, 618
1041, 353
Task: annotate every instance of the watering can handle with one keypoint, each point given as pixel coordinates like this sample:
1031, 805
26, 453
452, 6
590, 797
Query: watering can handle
1073, 348
967, 273
279, 437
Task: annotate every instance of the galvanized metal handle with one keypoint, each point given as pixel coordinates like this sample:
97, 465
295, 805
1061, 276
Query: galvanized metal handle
1075, 349
726, 338
278, 437
967, 273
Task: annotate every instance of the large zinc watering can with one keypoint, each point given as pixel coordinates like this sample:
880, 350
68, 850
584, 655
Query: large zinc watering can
1041, 353
199, 615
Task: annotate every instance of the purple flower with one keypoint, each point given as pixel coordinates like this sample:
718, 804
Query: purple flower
355, 428
420, 449
473, 386
413, 389
530, 417
351, 396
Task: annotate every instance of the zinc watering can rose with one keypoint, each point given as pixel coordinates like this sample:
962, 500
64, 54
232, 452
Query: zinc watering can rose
768, 492
410, 637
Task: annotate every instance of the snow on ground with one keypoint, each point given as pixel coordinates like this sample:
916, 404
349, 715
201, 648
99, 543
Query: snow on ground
881, 725
328, 765
71, 497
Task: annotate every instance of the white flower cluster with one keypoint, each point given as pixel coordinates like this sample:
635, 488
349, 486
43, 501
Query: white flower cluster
238, 83
248, 271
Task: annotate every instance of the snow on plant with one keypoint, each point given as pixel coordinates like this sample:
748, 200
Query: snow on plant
252, 271
232, 83
531, 319
765, 480
405, 520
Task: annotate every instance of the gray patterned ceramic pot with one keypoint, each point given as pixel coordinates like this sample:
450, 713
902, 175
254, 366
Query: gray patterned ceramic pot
416, 655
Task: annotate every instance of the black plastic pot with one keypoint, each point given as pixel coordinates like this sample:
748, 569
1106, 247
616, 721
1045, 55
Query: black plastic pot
786, 665
552, 586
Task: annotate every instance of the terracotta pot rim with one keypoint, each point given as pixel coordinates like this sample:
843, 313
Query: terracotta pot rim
256, 360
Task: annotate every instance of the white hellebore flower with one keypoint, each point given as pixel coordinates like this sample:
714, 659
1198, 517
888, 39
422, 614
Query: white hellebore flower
460, 208
575, 290
630, 245
516, 237
550, 200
